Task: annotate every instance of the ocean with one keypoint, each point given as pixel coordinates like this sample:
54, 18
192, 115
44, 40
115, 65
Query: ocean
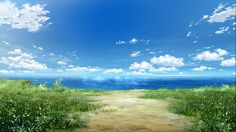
133, 83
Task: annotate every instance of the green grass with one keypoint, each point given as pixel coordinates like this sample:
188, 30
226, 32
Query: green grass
212, 108
26, 107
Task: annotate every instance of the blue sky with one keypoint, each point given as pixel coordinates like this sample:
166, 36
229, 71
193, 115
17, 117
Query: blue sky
116, 38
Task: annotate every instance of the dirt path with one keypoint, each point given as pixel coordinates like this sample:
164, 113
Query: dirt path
125, 112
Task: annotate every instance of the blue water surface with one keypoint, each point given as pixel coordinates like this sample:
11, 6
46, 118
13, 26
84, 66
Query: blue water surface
133, 83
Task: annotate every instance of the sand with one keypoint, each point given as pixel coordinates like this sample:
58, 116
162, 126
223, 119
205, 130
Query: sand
124, 111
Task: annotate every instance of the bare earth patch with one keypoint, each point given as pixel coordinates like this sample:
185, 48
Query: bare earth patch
126, 112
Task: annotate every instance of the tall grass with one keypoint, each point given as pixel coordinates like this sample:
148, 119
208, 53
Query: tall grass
26, 107
213, 108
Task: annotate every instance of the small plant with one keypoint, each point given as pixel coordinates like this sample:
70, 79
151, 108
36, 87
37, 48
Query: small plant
25, 84
58, 85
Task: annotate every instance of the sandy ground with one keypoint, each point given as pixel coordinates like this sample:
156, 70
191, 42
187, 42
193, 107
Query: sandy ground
125, 112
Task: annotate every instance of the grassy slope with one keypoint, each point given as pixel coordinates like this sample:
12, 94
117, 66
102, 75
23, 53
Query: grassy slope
26, 107
213, 108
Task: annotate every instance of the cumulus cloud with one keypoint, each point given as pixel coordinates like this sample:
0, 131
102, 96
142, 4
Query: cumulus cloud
140, 66
228, 62
111, 71
61, 63
83, 69
221, 52
133, 41
22, 60
2, 71
163, 69
15, 52
202, 68
168, 60
135, 54
222, 30
30, 17
211, 56
221, 14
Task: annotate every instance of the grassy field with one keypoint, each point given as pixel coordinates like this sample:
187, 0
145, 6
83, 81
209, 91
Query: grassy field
212, 108
26, 107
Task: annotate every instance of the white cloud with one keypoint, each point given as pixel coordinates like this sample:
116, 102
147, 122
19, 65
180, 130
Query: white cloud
163, 69
26, 71
202, 68
120, 42
22, 60
71, 66
168, 60
222, 30
234, 73
228, 62
83, 69
15, 52
222, 52
152, 53
189, 34
138, 73
205, 17
51, 54
143, 65
62, 63
133, 41
135, 54
38, 48
110, 71
219, 8
181, 73
2, 71
211, 56
221, 14
5, 42
30, 17
190, 25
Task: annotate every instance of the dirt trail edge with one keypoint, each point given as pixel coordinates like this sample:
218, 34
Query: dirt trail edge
126, 112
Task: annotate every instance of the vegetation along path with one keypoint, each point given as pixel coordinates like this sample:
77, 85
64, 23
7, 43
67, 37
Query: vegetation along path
124, 111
